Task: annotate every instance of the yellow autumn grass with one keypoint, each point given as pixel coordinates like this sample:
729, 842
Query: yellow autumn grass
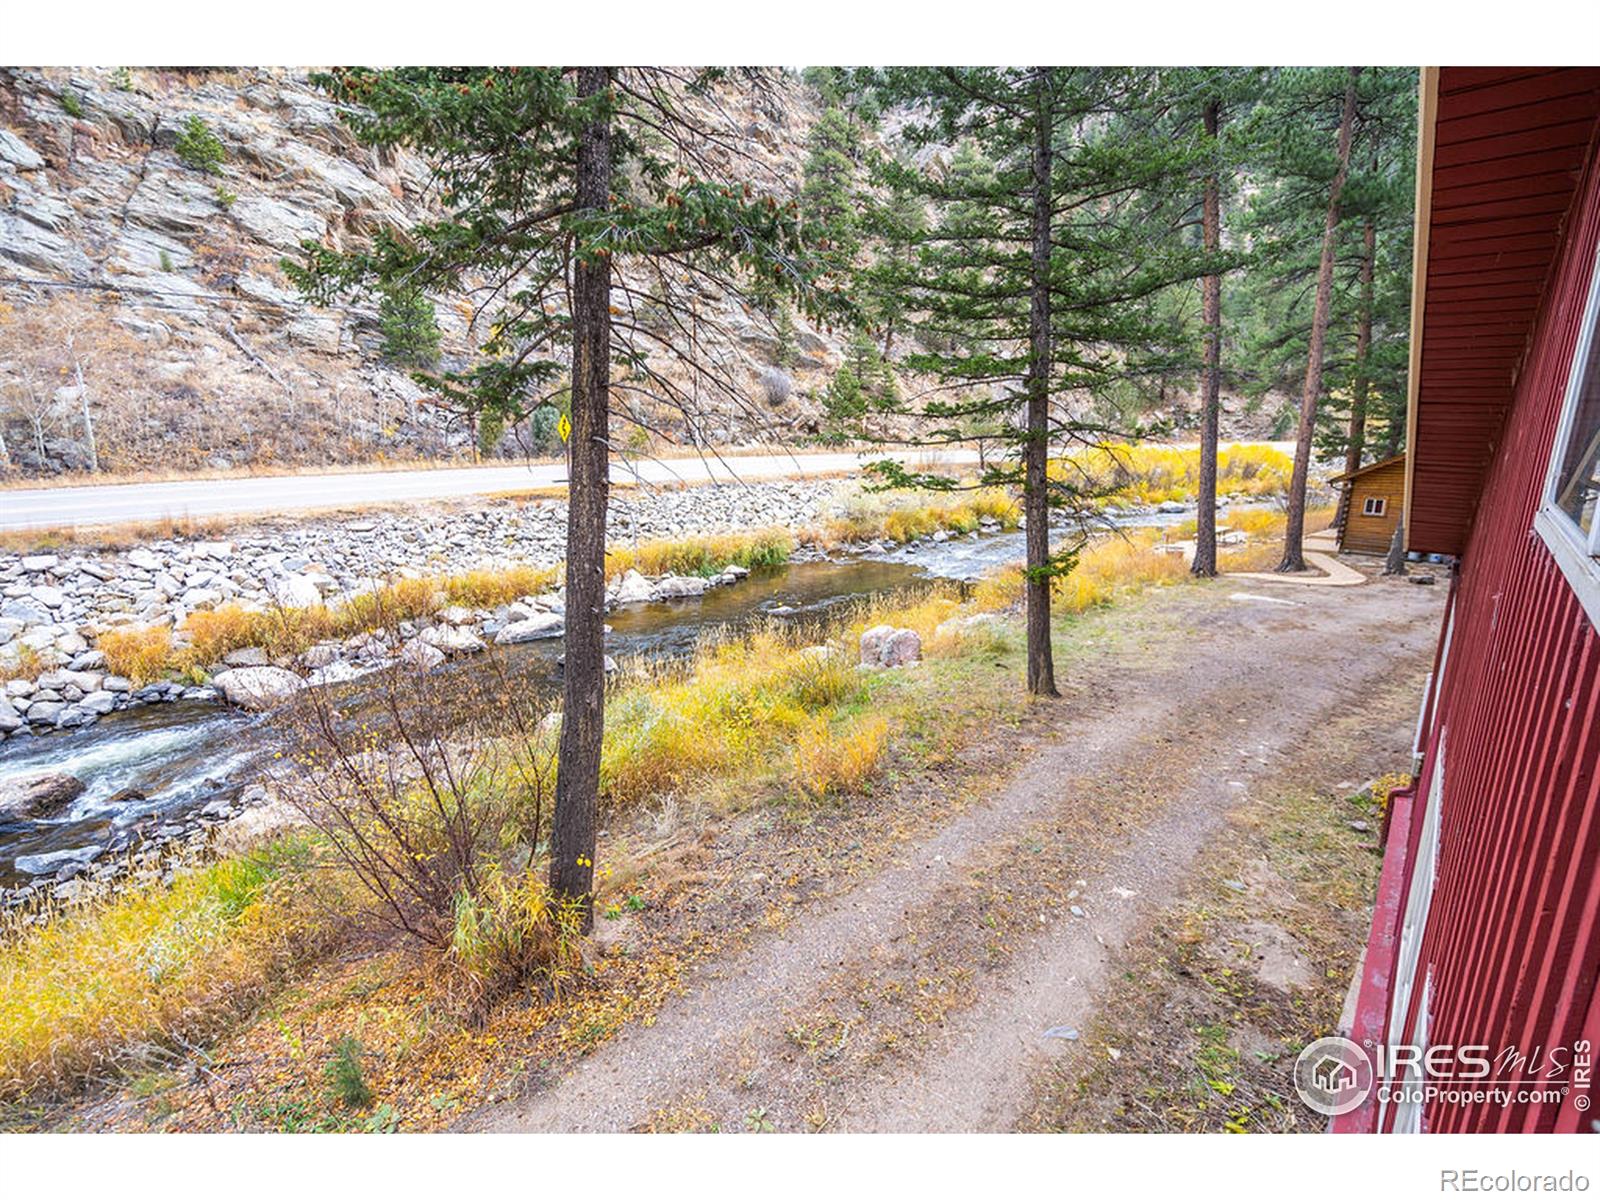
724, 712
1148, 474
701, 555
156, 967
1105, 568
904, 517
137, 654
831, 761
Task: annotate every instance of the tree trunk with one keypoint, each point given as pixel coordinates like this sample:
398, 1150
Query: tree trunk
1293, 554
572, 844
88, 420
1036, 450
1395, 563
1205, 538
1356, 436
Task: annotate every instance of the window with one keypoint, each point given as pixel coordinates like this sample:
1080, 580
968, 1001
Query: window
1373, 506
1566, 520
1577, 482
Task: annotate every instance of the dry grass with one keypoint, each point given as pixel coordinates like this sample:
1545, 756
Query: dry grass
152, 969
873, 517
1264, 550
137, 654
724, 713
122, 536
24, 664
701, 555
1105, 569
490, 589
1125, 473
831, 762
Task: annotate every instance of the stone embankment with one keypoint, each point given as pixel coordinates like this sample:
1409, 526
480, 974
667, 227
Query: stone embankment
55, 606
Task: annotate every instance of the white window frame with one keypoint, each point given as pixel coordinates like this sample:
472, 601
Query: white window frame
1414, 923
1577, 554
1374, 506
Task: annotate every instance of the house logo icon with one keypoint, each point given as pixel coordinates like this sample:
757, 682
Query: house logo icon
1333, 1076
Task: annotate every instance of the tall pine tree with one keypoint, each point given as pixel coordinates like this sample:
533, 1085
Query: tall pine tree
1031, 292
582, 208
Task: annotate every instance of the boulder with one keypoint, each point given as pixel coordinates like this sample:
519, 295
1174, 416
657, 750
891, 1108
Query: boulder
545, 625
886, 646
452, 639
247, 656
144, 560
294, 591
34, 797
419, 654
677, 587
633, 588
49, 864
99, 703
904, 646
872, 643
257, 688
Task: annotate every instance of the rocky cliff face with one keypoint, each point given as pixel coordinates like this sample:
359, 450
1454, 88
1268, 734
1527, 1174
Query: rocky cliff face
160, 280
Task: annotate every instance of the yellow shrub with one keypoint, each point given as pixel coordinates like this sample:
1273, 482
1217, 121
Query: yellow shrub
829, 763
137, 654
215, 632
26, 665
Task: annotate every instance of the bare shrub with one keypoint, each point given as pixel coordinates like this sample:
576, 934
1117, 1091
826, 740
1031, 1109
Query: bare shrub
776, 385
432, 790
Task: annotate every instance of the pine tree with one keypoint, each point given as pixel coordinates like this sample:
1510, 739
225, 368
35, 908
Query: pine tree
1294, 135
1048, 240
581, 212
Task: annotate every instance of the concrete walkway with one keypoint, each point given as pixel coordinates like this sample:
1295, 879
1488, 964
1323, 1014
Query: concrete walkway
1319, 549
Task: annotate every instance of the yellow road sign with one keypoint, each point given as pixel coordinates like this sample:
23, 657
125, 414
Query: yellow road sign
564, 427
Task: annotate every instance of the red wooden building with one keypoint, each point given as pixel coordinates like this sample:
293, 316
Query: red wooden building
1487, 927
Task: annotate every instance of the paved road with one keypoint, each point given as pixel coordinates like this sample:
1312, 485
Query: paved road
36, 508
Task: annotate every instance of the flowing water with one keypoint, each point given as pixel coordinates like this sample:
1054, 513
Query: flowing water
174, 758
177, 757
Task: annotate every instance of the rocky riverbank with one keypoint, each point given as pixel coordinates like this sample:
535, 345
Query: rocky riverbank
54, 607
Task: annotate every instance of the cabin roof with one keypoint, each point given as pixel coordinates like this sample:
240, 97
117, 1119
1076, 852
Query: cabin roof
1369, 468
1499, 153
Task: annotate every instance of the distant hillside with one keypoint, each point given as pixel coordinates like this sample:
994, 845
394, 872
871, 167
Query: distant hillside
157, 279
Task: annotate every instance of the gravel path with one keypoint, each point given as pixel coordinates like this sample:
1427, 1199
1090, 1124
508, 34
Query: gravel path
1173, 738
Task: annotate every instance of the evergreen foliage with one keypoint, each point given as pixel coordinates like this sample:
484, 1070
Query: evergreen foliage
199, 148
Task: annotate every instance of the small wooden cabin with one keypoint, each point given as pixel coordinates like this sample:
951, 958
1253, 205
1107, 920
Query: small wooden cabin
1377, 495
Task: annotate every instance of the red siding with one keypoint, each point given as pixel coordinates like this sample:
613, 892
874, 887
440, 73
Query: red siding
1511, 940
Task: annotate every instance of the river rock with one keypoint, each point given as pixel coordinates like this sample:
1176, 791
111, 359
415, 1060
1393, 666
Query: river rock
34, 797
419, 654
49, 864
295, 591
452, 639
677, 587
257, 688
886, 646
633, 588
544, 625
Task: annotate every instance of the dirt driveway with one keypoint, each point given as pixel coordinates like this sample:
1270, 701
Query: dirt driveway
947, 991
